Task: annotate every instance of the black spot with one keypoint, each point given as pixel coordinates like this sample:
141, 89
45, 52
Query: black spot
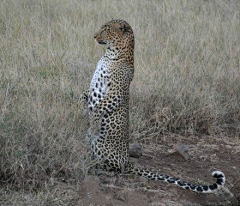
170, 181
187, 188
219, 181
96, 85
99, 96
94, 94
205, 188
218, 176
192, 187
180, 183
105, 116
112, 156
173, 178
213, 187
199, 189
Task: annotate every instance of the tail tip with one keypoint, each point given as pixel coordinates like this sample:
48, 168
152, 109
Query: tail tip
220, 177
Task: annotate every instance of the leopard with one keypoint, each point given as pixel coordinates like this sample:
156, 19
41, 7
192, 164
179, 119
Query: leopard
107, 102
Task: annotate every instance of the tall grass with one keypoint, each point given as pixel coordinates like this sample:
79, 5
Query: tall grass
187, 77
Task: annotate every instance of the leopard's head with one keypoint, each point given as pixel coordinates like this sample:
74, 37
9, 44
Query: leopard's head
114, 33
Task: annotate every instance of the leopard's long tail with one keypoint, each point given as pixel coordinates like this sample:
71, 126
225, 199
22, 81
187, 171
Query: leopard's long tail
185, 185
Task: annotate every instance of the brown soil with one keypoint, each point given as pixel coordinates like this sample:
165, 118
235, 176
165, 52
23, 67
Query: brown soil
200, 157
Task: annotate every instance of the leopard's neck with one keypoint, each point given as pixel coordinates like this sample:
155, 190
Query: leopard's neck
121, 53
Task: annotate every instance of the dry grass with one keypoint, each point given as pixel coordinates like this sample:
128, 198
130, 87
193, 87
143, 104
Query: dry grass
187, 77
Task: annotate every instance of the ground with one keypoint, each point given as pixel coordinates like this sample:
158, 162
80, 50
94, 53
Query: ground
200, 156
203, 155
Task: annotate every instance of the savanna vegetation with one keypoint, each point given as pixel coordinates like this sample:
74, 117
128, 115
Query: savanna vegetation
187, 81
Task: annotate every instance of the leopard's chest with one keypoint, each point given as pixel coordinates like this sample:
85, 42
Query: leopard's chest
99, 86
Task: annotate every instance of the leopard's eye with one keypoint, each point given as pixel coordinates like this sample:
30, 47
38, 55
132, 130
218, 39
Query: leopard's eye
103, 32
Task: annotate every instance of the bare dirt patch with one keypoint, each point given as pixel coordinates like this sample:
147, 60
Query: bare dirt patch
205, 155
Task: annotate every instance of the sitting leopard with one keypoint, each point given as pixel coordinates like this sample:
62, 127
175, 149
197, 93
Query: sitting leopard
108, 107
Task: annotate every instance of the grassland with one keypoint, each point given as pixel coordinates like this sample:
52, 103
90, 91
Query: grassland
187, 80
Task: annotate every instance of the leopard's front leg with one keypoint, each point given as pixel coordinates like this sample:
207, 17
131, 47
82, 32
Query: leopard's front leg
83, 99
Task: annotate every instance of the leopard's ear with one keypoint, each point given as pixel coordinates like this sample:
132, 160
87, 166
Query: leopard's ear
122, 28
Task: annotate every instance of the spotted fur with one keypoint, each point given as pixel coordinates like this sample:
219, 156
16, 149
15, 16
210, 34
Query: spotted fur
108, 107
